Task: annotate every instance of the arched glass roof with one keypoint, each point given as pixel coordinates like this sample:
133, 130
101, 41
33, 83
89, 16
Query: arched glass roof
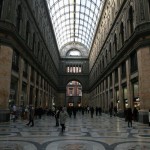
74, 20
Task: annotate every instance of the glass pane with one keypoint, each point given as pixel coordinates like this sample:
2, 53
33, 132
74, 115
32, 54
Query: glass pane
62, 15
77, 8
78, 1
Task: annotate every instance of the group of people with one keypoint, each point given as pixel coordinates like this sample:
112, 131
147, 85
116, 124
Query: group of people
60, 117
61, 113
131, 115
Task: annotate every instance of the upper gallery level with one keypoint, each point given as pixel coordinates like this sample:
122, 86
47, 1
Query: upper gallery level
123, 24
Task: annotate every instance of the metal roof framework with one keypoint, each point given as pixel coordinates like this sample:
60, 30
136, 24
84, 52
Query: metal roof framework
74, 21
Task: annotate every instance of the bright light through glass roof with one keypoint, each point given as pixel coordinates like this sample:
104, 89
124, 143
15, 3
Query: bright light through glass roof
74, 20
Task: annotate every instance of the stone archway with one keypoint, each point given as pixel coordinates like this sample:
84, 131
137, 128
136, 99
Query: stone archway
74, 93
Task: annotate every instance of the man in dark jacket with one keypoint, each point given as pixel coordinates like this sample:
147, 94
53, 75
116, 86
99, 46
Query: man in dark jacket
31, 116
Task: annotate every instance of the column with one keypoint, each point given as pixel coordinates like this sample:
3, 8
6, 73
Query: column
121, 103
20, 81
5, 80
34, 88
28, 84
143, 56
130, 100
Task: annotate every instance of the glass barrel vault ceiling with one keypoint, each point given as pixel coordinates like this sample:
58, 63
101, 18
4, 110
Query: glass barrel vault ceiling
74, 20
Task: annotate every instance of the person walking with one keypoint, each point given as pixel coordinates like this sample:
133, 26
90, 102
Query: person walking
135, 114
92, 111
149, 117
129, 117
74, 111
14, 112
31, 116
115, 111
57, 117
110, 111
63, 116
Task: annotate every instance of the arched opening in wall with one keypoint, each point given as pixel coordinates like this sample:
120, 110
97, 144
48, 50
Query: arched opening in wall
73, 53
122, 33
149, 6
131, 27
74, 94
115, 44
27, 32
19, 17
1, 5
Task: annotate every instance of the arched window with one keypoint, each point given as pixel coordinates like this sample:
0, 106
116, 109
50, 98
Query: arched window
19, 17
1, 5
122, 33
106, 57
115, 44
131, 27
149, 6
74, 53
33, 42
27, 31
38, 49
110, 52
103, 63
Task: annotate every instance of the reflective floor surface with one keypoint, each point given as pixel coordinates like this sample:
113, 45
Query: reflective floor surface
83, 133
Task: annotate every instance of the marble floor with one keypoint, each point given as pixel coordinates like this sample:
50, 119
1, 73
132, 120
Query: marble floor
82, 133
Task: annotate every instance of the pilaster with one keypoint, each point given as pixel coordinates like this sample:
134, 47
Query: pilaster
5, 80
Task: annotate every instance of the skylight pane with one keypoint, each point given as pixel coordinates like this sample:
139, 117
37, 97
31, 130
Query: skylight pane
71, 8
66, 9
66, 2
61, 3
83, 2
77, 8
82, 16
78, 1
85, 16
82, 9
92, 7
88, 3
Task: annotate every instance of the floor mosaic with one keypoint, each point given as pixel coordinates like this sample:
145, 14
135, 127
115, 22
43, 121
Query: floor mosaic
82, 133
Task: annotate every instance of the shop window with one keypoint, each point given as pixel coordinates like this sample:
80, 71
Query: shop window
134, 66
1, 6
117, 95
136, 100
125, 96
19, 18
